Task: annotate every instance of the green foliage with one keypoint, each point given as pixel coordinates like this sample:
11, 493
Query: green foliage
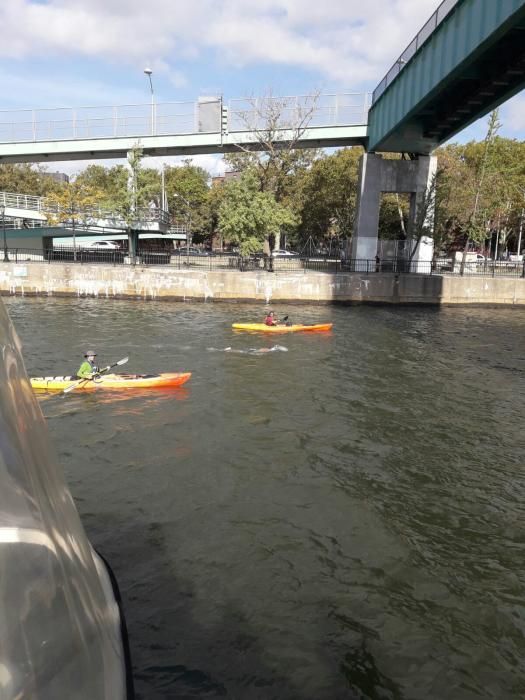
480, 190
112, 183
393, 217
248, 216
190, 182
72, 202
327, 195
24, 178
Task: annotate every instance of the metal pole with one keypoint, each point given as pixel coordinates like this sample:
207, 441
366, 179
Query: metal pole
153, 116
149, 72
520, 231
74, 237
188, 236
164, 205
188, 232
6, 256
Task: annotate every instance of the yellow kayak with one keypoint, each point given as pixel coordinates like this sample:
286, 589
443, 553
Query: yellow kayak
113, 381
263, 328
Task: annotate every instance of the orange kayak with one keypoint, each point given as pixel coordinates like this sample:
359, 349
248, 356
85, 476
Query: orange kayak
263, 328
114, 381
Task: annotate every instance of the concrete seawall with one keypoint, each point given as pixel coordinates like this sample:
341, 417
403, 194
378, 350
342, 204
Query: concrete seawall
59, 279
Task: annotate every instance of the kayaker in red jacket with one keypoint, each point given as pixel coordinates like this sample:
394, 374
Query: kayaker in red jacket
270, 319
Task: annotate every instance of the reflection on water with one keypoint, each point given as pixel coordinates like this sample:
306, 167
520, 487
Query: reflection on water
342, 520
139, 400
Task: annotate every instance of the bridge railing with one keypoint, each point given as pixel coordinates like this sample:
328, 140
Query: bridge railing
142, 214
171, 118
20, 201
33, 203
424, 33
60, 124
19, 223
348, 109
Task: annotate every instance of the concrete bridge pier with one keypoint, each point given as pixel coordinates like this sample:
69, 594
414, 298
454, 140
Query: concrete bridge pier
133, 244
378, 175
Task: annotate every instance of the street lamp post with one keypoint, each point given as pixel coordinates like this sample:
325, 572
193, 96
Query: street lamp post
188, 233
2, 210
149, 73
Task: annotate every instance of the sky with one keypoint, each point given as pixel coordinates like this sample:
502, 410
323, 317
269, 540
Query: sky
71, 53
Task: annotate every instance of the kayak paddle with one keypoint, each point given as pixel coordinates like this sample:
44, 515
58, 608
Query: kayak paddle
89, 379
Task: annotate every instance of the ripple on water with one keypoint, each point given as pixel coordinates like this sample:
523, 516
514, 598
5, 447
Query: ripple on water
340, 520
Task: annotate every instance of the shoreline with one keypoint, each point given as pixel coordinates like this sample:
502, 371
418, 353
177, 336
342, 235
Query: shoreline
349, 288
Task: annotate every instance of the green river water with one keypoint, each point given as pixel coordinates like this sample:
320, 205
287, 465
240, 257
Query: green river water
344, 519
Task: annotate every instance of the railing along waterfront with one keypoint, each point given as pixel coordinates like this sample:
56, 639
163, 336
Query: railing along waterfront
33, 203
424, 33
183, 260
206, 116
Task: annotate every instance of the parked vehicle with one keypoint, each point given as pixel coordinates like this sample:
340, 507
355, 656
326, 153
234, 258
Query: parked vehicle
281, 253
102, 245
192, 250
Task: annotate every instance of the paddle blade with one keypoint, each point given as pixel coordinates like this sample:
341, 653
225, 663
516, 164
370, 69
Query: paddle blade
123, 361
73, 386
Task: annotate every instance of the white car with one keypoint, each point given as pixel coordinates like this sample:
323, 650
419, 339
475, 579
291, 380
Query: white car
102, 245
284, 254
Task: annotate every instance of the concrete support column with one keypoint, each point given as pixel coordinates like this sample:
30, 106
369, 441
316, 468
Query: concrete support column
364, 238
133, 244
378, 175
424, 177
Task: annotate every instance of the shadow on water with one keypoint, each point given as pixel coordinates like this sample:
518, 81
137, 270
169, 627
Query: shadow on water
364, 678
168, 641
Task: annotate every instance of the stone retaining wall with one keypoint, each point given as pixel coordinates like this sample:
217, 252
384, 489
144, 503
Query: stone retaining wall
58, 279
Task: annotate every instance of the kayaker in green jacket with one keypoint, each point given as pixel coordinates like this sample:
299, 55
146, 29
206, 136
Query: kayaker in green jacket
88, 369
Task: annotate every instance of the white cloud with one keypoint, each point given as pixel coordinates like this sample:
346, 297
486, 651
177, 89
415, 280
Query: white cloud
513, 114
345, 40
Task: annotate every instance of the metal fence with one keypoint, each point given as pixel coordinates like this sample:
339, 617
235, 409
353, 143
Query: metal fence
424, 33
84, 215
250, 114
206, 115
181, 259
14, 200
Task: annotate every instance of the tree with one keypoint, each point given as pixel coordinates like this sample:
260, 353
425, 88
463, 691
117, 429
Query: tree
393, 217
277, 124
424, 216
112, 183
73, 203
25, 178
214, 200
328, 197
476, 230
190, 182
248, 216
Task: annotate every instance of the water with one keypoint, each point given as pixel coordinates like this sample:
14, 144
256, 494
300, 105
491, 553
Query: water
341, 520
